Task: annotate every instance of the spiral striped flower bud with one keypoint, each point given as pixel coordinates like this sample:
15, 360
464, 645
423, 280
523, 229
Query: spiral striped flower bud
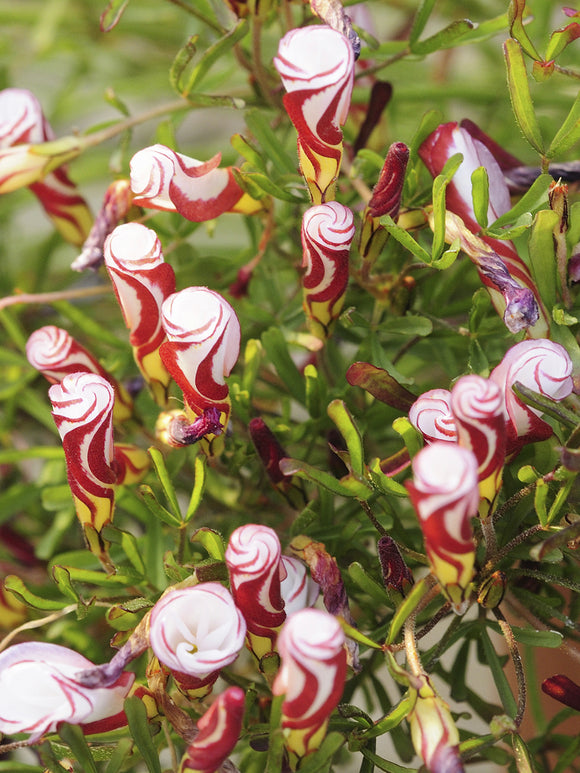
219, 730
202, 347
327, 232
298, 589
478, 409
544, 367
445, 495
82, 407
316, 65
253, 558
142, 281
196, 631
199, 191
431, 415
54, 353
23, 125
311, 677
39, 689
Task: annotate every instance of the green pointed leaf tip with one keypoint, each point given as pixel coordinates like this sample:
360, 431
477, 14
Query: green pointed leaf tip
480, 193
448, 37
344, 422
521, 99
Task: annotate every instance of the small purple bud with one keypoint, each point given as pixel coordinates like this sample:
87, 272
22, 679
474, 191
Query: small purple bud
396, 574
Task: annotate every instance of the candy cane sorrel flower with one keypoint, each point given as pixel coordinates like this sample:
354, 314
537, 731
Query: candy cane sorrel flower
82, 408
219, 730
316, 65
298, 589
544, 367
55, 353
445, 494
431, 415
142, 281
22, 126
501, 269
202, 347
327, 232
196, 631
311, 677
253, 558
478, 409
39, 689
199, 191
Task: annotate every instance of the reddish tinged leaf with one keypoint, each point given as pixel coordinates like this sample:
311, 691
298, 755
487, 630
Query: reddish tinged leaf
562, 38
381, 385
395, 463
111, 16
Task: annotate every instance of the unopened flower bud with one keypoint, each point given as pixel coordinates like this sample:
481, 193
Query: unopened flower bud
431, 415
298, 589
396, 574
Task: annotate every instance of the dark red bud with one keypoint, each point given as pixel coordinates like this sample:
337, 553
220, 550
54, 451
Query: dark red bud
386, 198
562, 689
396, 574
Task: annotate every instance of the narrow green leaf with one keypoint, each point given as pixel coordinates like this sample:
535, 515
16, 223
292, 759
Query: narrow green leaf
165, 480
180, 62
534, 197
111, 16
499, 677
516, 12
13, 456
315, 391
94, 577
246, 150
532, 637
569, 132
276, 738
540, 500
448, 37
341, 416
321, 478
12, 766
199, 470
522, 755
448, 257
408, 605
421, 18
277, 350
320, 759
122, 751
354, 633
140, 732
368, 584
212, 541
440, 184
15, 585
266, 185
480, 193
411, 437
258, 124
88, 325
61, 576
73, 736
384, 482
520, 96
561, 38
213, 54
568, 757
157, 509
405, 239
383, 764
381, 385
129, 545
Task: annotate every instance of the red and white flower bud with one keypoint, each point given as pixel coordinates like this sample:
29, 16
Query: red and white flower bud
199, 191
253, 558
219, 730
196, 631
22, 124
445, 495
327, 233
316, 65
142, 281
431, 415
311, 677
544, 367
433, 731
55, 353
447, 140
39, 689
298, 589
82, 408
203, 344
478, 409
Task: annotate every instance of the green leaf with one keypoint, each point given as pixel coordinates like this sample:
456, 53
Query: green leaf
522, 755
440, 184
277, 350
340, 415
383, 764
516, 12
520, 96
122, 751
212, 541
559, 39
410, 325
129, 545
213, 54
480, 193
448, 37
180, 62
354, 633
73, 736
421, 18
408, 606
569, 132
405, 239
384, 482
411, 437
251, 154
199, 470
111, 16
61, 576
276, 738
534, 197
368, 584
165, 480
88, 325
540, 500
140, 732
324, 479
157, 509
15, 585
319, 760
259, 125
265, 185
499, 677
381, 385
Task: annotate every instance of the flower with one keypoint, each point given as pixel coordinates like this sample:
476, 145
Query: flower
199, 191
433, 731
142, 281
253, 559
39, 689
22, 127
431, 415
117, 204
311, 677
477, 405
203, 344
500, 267
327, 232
54, 353
563, 689
219, 730
316, 65
196, 631
298, 589
82, 407
542, 366
445, 494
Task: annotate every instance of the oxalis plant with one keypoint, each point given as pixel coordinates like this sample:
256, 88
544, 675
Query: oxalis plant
291, 429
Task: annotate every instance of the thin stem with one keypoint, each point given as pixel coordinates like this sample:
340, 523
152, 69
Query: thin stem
566, 71
61, 295
258, 70
366, 507
31, 624
413, 657
518, 665
514, 500
506, 550
387, 63
190, 9
489, 537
